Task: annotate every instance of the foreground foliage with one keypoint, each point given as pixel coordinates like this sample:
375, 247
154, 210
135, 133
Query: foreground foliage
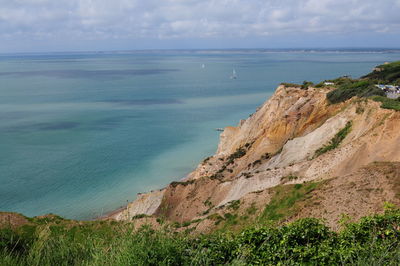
373, 240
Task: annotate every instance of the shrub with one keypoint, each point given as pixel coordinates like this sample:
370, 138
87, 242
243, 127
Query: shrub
240, 152
294, 85
296, 243
182, 183
306, 84
234, 204
283, 202
351, 88
374, 240
387, 73
365, 87
17, 241
140, 216
335, 141
387, 103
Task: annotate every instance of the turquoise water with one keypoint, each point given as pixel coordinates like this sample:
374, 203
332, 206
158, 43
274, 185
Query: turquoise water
80, 134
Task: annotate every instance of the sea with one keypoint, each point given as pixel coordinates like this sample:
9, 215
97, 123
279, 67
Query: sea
82, 133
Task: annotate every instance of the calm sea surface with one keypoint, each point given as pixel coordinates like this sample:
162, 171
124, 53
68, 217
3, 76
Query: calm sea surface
80, 134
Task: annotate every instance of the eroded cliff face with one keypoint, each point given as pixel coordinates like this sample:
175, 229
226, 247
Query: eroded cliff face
274, 146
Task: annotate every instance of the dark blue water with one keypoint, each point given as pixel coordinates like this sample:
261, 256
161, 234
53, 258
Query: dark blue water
80, 134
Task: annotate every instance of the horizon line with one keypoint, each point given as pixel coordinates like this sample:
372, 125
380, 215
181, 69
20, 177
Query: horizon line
292, 49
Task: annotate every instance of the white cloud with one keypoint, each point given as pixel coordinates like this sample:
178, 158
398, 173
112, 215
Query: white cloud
135, 19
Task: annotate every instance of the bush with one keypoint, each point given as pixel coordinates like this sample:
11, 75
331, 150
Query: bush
140, 216
240, 152
290, 85
387, 73
365, 87
335, 141
351, 88
283, 202
174, 184
306, 84
373, 240
387, 103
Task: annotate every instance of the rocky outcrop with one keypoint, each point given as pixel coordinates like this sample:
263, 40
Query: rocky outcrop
277, 145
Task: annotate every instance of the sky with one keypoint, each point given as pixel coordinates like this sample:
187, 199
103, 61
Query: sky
93, 25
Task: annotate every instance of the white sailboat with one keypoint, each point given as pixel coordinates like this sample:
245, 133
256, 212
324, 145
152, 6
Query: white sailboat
234, 76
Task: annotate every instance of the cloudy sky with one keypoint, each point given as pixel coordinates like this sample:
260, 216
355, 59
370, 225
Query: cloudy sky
71, 25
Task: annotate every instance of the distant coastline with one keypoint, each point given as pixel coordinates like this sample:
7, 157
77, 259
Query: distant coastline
211, 51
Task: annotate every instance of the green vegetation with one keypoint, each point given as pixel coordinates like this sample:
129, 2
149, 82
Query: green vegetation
247, 174
294, 85
306, 84
206, 159
387, 103
284, 202
303, 86
374, 240
140, 216
252, 209
182, 183
185, 224
335, 141
365, 87
266, 156
386, 73
234, 204
208, 203
351, 88
240, 152
290, 177
360, 109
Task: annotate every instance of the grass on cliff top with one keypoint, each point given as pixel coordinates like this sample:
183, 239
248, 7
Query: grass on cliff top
303, 86
374, 240
386, 73
393, 104
349, 88
335, 141
365, 87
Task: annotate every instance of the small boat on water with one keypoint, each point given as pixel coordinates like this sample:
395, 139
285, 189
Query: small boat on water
234, 76
219, 129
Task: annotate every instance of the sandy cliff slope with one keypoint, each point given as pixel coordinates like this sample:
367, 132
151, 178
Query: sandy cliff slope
277, 145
